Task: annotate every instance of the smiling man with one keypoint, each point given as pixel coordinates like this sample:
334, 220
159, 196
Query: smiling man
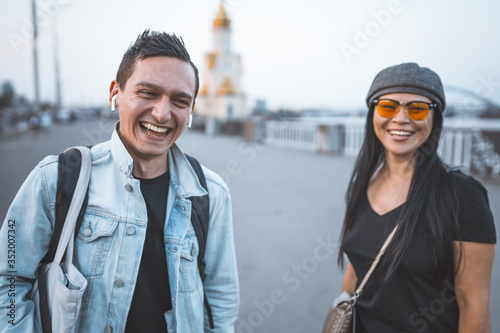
137, 245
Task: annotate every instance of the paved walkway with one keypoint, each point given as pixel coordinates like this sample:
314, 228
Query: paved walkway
288, 207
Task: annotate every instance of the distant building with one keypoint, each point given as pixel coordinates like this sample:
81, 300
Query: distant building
221, 95
260, 105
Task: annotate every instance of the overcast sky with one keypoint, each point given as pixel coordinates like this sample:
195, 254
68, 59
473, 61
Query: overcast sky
315, 53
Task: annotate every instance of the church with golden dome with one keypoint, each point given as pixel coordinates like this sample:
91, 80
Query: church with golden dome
221, 95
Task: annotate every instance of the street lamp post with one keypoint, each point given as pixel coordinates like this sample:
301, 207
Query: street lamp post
36, 106
55, 37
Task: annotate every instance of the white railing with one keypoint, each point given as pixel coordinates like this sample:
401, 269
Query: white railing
354, 135
291, 134
456, 147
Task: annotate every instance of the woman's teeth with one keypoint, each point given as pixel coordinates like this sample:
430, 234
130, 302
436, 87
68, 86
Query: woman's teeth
400, 133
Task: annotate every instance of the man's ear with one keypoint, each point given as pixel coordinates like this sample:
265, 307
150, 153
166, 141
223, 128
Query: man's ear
114, 88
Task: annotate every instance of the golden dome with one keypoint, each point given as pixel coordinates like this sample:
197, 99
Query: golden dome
221, 20
226, 88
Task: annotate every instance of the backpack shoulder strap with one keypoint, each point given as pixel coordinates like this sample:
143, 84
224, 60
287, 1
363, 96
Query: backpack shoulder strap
69, 164
68, 172
200, 219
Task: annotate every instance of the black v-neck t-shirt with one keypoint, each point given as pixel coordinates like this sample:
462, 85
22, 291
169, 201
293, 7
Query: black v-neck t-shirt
152, 296
414, 300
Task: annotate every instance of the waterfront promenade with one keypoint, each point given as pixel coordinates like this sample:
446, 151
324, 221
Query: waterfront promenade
288, 207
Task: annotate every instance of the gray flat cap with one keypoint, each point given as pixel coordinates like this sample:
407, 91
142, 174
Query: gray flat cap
408, 78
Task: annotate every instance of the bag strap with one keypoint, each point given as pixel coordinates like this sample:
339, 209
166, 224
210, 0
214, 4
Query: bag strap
73, 177
200, 219
374, 264
69, 165
75, 207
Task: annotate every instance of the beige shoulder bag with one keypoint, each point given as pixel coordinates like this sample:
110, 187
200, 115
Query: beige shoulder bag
342, 318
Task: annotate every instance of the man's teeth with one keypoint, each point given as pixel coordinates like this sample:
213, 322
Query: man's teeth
400, 133
154, 128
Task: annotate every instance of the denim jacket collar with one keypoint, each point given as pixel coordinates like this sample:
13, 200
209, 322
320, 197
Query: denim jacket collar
122, 158
183, 179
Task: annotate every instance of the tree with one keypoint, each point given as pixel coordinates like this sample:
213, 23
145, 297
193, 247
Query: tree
7, 93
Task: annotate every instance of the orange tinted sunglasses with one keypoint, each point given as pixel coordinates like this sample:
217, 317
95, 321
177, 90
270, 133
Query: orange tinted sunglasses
388, 108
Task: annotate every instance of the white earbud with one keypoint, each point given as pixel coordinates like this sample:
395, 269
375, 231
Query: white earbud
190, 122
113, 103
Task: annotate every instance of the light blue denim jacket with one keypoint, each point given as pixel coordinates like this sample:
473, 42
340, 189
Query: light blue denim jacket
110, 243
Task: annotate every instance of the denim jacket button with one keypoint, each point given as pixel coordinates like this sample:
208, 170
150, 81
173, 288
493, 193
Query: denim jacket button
193, 251
128, 188
108, 329
119, 283
87, 232
130, 231
173, 249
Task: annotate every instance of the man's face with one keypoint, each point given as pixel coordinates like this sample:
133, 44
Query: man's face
154, 106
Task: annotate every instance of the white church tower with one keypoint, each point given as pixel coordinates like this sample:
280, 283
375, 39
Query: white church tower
221, 95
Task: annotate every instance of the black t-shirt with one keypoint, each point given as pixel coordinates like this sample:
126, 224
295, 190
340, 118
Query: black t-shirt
414, 300
152, 296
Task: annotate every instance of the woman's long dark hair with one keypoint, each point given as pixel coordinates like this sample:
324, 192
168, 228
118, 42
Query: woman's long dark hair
431, 200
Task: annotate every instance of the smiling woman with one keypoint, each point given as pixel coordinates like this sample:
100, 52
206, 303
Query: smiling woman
445, 238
